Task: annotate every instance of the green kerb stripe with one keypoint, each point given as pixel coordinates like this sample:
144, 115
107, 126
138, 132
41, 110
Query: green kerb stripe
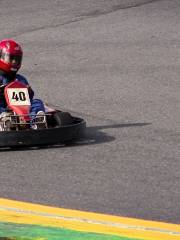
35, 232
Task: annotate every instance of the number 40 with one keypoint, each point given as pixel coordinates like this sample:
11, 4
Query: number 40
20, 96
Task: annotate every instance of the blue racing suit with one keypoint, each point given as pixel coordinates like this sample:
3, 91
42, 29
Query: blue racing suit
36, 104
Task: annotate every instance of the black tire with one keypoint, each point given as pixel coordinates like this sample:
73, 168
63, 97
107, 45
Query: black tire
63, 118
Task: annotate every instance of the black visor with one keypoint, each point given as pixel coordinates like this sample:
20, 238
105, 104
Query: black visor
14, 60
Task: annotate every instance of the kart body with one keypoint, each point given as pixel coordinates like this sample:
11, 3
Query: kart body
18, 127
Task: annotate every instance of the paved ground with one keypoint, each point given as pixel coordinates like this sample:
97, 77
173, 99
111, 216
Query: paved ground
117, 64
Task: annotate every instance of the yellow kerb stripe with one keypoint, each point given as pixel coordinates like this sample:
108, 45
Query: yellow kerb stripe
28, 213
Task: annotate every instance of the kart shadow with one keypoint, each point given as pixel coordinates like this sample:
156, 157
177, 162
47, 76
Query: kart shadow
96, 135
93, 135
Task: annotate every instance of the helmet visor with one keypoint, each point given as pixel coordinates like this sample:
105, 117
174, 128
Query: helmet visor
14, 60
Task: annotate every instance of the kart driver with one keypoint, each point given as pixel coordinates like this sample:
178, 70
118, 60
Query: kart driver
10, 62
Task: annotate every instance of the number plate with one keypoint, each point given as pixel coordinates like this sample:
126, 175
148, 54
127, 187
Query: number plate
18, 96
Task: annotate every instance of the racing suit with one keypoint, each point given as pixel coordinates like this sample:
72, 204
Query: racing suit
36, 104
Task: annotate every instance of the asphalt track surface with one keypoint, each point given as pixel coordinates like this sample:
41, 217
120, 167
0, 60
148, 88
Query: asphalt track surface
116, 64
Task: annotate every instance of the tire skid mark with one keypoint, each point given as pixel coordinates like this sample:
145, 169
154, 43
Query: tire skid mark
83, 16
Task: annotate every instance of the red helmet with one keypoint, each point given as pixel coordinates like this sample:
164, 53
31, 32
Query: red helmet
10, 55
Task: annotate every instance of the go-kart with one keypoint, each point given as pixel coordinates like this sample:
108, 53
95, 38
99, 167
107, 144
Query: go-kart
18, 127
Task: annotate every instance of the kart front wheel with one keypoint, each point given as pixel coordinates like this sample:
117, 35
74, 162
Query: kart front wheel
63, 118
